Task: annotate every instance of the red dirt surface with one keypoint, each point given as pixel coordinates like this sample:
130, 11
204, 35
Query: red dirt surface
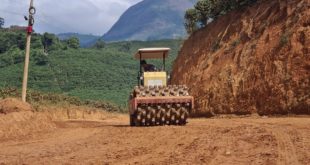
254, 60
252, 140
17, 119
10, 105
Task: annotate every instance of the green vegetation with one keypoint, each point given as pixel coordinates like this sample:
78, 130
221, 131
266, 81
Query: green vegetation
191, 18
100, 44
51, 42
73, 42
86, 40
39, 98
208, 10
108, 73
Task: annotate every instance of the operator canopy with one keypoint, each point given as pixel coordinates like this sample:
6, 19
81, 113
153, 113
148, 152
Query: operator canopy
152, 53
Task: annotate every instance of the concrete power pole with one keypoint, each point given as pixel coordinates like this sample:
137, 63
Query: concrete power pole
32, 11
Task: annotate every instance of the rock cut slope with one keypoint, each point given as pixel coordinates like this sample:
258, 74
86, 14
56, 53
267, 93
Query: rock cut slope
251, 61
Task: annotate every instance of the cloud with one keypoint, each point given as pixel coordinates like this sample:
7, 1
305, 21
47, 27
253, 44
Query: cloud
82, 16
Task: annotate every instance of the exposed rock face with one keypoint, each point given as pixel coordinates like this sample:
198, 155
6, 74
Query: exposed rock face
252, 61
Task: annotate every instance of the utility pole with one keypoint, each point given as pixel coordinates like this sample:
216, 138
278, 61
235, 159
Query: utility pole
32, 11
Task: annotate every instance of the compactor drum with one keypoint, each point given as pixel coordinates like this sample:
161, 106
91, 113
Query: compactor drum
153, 102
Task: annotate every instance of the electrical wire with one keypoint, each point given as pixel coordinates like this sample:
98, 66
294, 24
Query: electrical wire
41, 17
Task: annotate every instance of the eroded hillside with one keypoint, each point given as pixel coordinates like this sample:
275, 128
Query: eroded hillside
251, 61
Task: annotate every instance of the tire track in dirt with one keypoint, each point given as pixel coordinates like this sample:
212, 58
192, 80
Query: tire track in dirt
283, 133
53, 144
202, 141
286, 149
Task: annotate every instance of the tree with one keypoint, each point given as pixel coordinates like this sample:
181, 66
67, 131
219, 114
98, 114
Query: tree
73, 42
1, 22
36, 41
203, 8
40, 58
190, 20
51, 42
47, 41
206, 10
125, 47
100, 44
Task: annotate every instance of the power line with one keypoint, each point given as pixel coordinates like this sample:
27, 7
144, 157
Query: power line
43, 17
50, 18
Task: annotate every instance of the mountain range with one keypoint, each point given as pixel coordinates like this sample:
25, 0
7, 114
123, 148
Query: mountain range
151, 20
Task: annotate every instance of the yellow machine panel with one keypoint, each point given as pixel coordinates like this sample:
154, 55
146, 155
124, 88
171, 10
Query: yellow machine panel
155, 78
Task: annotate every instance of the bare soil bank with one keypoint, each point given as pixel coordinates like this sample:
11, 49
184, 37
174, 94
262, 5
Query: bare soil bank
254, 60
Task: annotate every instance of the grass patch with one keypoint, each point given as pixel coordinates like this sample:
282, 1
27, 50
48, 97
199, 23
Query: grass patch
41, 98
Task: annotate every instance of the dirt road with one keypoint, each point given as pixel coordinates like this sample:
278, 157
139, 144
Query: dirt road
202, 141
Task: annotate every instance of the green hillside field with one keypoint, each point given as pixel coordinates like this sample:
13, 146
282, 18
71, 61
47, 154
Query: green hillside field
106, 74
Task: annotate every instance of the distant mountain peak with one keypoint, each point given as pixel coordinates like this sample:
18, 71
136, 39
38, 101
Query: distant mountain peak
151, 20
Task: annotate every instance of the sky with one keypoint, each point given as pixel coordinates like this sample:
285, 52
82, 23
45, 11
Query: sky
61, 16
